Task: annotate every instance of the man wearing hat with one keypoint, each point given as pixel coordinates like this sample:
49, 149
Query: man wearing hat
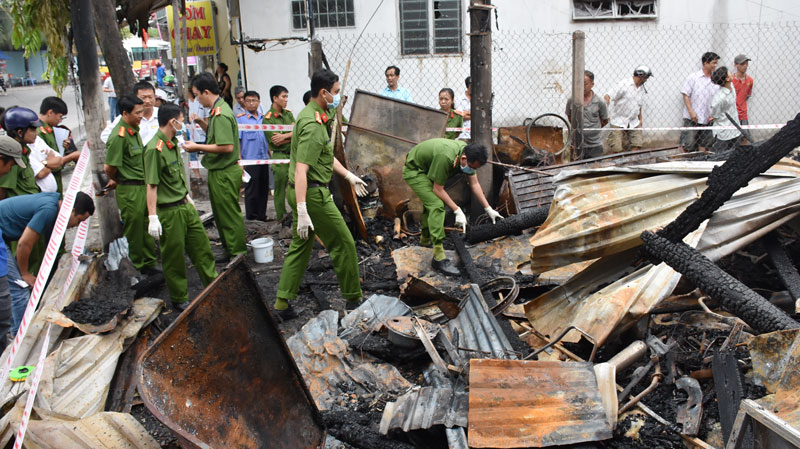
743, 85
10, 157
21, 124
625, 110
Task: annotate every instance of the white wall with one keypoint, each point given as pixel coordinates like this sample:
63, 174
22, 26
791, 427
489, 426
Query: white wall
532, 56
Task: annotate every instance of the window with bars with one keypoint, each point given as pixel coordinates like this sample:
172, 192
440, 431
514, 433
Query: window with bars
421, 19
327, 14
614, 9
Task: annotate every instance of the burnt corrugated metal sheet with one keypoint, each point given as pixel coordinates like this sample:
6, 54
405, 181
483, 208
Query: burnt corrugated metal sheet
476, 331
514, 403
425, 407
531, 190
106, 430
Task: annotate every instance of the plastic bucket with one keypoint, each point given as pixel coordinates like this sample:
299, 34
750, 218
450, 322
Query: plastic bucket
262, 249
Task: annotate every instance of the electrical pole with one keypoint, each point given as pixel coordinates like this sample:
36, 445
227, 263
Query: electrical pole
578, 64
177, 48
480, 69
94, 112
110, 40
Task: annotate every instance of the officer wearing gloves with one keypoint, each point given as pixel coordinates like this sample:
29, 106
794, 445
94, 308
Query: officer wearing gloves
428, 167
310, 168
171, 213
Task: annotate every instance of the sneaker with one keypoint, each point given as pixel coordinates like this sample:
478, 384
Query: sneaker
445, 267
180, 306
287, 314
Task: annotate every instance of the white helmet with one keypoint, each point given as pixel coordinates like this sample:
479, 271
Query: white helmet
642, 70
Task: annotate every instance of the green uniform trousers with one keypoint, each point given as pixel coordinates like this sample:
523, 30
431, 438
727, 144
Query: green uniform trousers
183, 233
332, 230
432, 206
223, 191
132, 203
281, 172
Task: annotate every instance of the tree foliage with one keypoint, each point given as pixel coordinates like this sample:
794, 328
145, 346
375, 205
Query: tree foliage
35, 20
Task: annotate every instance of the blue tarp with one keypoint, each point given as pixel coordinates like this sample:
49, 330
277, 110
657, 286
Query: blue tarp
3, 55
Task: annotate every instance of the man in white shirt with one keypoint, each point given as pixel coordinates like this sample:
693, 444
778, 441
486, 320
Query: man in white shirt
392, 90
40, 151
697, 91
723, 105
108, 88
148, 127
625, 110
464, 107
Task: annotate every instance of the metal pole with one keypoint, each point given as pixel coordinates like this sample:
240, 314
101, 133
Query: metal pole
481, 104
241, 50
578, 67
184, 54
176, 48
310, 14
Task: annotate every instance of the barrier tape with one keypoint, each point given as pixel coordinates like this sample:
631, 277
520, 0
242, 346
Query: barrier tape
691, 128
77, 250
245, 162
49, 257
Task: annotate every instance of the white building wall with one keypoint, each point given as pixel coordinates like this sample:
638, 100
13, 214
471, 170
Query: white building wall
532, 56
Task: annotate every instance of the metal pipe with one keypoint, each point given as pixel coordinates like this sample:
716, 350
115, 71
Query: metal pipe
653, 384
630, 354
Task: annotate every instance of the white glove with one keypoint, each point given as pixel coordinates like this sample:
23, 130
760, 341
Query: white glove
154, 228
493, 214
461, 220
190, 201
358, 184
303, 221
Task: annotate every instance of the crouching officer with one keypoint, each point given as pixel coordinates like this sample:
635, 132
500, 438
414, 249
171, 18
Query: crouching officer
313, 211
428, 167
172, 215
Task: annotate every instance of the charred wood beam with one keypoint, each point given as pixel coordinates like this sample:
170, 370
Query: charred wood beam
512, 225
355, 428
783, 264
729, 177
734, 296
466, 258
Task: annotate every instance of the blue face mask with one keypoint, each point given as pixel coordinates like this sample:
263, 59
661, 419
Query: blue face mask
335, 104
467, 170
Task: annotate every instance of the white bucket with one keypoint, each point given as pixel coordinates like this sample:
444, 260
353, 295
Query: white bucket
262, 249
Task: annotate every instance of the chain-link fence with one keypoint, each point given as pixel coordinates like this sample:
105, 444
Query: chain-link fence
532, 70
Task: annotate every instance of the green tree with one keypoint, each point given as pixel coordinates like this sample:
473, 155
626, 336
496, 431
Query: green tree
35, 21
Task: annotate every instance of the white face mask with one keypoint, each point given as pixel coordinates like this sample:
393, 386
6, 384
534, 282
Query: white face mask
177, 130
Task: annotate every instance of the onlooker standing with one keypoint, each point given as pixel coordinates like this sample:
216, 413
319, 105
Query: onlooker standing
464, 106
697, 91
222, 161
743, 85
454, 118
198, 123
148, 126
108, 88
595, 115
160, 73
254, 147
280, 144
625, 112
224, 82
161, 98
238, 95
392, 90
724, 102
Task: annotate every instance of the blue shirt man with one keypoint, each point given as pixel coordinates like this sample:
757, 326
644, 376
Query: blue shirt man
160, 73
253, 145
392, 90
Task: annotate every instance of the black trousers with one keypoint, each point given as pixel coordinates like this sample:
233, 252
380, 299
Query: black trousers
256, 192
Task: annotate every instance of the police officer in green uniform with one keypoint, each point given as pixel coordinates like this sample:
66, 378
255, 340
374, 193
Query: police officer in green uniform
313, 211
21, 125
51, 112
171, 211
428, 167
279, 144
125, 169
222, 162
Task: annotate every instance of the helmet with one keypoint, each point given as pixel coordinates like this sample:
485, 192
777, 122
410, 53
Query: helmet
18, 118
642, 70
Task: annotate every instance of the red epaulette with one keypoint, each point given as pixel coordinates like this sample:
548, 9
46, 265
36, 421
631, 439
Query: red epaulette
452, 114
218, 111
318, 118
325, 118
241, 115
160, 145
131, 131
269, 115
46, 129
121, 131
170, 145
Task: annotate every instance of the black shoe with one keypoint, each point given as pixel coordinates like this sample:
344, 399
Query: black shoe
180, 306
445, 267
353, 305
222, 258
287, 314
149, 271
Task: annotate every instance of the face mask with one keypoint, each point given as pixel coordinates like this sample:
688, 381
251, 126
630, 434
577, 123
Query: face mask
177, 130
335, 104
467, 170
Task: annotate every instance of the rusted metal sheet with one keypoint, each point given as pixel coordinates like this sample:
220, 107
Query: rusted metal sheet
422, 408
786, 404
531, 190
415, 261
221, 374
380, 134
770, 354
103, 430
510, 150
505, 255
601, 212
515, 403
476, 332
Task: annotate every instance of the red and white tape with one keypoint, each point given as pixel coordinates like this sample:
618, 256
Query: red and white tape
690, 128
245, 162
255, 127
77, 250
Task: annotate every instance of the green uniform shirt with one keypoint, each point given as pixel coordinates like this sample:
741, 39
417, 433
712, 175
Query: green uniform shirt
222, 130
124, 150
20, 181
273, 118
453, 121
312, 145
438, 158
163, 167
49, 137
